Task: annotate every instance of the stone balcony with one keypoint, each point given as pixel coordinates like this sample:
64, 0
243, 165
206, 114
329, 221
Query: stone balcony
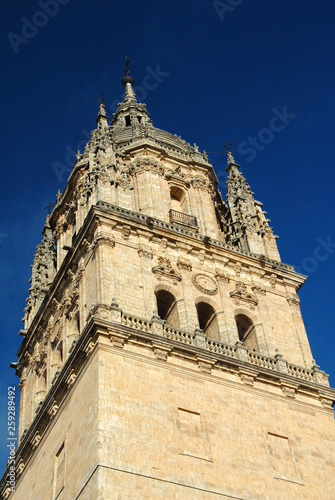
183, 219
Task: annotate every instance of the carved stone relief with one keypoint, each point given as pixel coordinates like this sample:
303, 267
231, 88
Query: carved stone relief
165, 272
241, 296
184, 264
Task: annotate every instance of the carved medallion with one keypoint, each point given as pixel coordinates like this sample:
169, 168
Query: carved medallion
205, 284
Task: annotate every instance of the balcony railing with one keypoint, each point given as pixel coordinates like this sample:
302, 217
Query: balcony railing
181, 218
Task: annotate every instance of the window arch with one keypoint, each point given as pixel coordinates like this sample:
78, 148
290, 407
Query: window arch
208, 320
167, 307
178, 199
246, 331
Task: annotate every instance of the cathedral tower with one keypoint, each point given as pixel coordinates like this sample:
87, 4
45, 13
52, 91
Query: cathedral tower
164, 353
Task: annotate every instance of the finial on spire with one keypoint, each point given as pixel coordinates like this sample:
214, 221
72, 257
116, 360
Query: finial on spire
127, 78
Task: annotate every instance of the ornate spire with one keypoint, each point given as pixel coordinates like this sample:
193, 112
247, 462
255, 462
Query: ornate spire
130, 113
43, 272
128, 82
249, 228
102, 118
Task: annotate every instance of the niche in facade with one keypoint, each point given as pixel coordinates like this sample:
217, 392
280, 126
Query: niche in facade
178, 200
246, 332
208, 320
167, 307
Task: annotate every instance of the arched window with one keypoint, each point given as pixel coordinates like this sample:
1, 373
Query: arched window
167, 307
208, 320
246, 332
178, 200
180, 212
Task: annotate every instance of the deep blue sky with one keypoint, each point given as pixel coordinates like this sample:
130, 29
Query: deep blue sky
223, 79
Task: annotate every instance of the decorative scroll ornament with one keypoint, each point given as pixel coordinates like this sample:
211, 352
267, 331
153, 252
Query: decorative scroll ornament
205, 284
241, 296
293, 300
184, 264
102, 237
165, 272
221, 276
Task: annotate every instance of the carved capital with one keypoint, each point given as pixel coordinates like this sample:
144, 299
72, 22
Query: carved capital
102, 237
89, 348
118, 339
161, 351
36, 439
248, 377
71, 378
184, 264
53, 410
20, 467
205, 365
293, 300
221, 276
289, 389
7, 492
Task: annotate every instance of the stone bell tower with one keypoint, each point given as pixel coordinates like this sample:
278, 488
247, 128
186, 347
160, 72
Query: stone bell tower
164, 354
